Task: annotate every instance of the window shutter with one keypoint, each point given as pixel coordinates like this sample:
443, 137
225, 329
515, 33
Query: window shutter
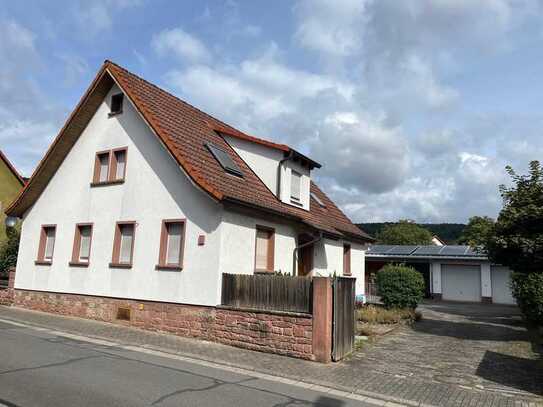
173, 255
104, 167
127, 241
262, 237
85, 236
296, 180
49, 243
120, 160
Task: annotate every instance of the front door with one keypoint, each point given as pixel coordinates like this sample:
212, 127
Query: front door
305, 256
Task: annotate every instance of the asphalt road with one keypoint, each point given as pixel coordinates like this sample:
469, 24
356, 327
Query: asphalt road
38, 368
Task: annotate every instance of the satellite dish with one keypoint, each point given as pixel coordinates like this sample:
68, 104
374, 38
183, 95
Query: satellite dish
11, 221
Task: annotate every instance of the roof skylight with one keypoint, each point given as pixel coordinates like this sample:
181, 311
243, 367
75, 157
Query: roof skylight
224, 160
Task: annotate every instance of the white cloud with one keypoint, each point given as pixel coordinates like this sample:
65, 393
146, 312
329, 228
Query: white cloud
330, 27
94, 17
183, 45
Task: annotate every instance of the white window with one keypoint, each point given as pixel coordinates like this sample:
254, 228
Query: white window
173, 252
50, 234
84, 247
47, 244
264, 251
295, 185
104, 167
127, 242
171, 244
120, 164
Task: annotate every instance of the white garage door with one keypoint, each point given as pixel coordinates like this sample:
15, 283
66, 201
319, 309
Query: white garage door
501, 292
461, 282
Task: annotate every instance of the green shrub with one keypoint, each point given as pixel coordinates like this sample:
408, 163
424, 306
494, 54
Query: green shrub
528, 291
400, 286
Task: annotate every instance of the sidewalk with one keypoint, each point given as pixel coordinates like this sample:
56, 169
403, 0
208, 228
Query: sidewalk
340, 376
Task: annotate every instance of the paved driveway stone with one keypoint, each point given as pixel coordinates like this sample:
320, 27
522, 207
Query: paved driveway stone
477, 346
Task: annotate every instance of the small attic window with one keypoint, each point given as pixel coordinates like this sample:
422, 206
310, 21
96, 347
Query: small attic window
319, 201
116, 104
224, 160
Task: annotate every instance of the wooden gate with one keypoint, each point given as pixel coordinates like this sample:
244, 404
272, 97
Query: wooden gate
343, 317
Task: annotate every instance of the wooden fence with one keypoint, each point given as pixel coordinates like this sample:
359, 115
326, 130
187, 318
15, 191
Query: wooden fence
343, 317
267, 292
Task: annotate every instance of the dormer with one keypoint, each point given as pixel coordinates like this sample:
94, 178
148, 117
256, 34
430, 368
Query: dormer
286, 172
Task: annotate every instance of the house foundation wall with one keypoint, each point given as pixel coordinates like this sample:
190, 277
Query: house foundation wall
272, 332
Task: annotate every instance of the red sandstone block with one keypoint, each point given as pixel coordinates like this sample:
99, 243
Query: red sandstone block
304, 321
287, 331
298, 331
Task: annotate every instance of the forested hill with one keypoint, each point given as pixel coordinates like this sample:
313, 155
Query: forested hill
449, 232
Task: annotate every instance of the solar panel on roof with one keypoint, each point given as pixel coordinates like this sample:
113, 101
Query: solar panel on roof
224, 160
428, 250
402, 250
379, 249
454, 250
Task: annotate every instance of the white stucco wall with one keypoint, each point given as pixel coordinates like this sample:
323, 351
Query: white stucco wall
328, 259
264, 161
155, 189
238, 239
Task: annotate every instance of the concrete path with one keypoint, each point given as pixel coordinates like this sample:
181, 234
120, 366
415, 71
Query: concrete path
380, 371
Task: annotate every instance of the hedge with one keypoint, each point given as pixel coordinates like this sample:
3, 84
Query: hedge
528, 291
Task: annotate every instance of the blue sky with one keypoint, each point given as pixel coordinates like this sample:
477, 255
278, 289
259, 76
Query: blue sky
413, 107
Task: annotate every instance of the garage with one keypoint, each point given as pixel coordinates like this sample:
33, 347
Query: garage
461, 282
501, 291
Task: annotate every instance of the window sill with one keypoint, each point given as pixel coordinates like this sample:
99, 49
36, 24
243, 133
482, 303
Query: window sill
78, 264
43, 263
113, 114
166, 267
120, 266
104, 183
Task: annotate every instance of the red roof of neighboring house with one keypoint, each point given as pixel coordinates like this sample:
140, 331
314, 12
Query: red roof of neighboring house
12, 168
185, 130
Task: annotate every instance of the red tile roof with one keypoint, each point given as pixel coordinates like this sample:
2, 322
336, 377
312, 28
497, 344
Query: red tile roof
185, 130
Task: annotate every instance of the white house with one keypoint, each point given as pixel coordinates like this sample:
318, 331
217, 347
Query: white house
142, 196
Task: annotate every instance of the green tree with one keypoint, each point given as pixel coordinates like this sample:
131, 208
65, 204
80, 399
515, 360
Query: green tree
517, 239
9, 250
404, 232
477, 232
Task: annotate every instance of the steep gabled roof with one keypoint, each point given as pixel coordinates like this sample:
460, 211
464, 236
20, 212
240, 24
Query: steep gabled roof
11, 168
185, 131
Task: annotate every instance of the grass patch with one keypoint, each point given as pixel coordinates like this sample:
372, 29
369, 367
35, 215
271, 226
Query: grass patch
373, 314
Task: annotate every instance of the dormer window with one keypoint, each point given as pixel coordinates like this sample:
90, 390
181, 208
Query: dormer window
116, 104
295, 186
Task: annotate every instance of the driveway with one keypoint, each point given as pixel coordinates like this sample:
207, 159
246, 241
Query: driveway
470, 345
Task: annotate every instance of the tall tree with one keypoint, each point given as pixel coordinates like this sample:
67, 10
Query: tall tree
404, 232
477, 232
517, 240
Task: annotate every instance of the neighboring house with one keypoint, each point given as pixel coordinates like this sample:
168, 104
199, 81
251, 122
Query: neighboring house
10, 185
142, 196
436, 241
454, 273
